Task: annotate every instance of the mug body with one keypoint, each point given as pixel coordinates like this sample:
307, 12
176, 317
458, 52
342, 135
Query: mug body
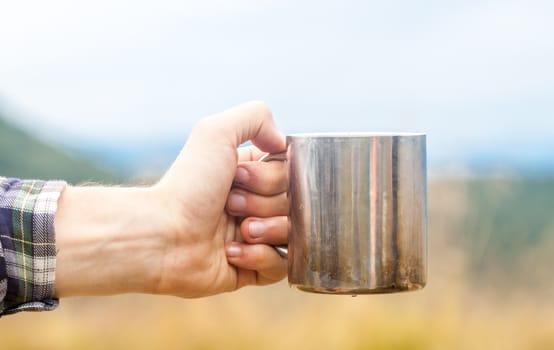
358, 212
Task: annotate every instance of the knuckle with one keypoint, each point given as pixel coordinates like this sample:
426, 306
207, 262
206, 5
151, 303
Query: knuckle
263, 108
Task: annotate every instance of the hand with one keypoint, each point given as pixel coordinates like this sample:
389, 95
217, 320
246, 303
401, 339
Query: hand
200, 181
203, 229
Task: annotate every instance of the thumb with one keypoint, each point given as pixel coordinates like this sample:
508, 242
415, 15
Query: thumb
251, 121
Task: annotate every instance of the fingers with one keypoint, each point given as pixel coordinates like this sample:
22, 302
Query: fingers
258, 263
259, 194
257, 260
243, 203
272, 230
262, 178
259, 188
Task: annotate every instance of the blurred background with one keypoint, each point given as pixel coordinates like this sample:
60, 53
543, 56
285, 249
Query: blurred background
107, 91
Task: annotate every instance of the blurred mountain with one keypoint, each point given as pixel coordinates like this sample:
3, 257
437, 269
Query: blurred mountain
25, 156
140, 160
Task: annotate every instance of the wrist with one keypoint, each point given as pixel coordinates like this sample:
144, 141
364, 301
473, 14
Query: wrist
109, 240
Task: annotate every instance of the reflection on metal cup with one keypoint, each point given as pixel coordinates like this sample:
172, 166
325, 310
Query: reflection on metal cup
358, 211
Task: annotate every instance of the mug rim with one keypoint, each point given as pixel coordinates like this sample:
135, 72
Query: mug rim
355, 134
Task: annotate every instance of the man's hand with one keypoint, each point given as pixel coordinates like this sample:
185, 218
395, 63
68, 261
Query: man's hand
206, 227
200, 180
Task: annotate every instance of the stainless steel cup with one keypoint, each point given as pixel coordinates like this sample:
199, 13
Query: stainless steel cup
357, 212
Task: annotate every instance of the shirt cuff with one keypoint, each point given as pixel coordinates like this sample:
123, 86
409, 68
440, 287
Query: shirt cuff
28, 245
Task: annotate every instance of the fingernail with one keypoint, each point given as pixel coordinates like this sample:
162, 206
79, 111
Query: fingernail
241, 175
233, 250
256, 229
237, 202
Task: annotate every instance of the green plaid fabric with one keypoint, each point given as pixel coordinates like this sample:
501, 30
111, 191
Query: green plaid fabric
27, 244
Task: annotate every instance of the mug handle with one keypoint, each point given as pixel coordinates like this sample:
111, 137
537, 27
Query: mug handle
268, 157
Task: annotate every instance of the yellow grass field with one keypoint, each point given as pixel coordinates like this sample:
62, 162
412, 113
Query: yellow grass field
454, 311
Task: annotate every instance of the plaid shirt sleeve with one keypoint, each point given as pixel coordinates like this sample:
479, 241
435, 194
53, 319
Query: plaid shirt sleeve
27, 244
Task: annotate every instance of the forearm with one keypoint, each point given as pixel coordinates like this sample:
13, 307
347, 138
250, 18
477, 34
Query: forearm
107, 241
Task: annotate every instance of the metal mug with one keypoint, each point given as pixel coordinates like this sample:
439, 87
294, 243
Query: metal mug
358, 212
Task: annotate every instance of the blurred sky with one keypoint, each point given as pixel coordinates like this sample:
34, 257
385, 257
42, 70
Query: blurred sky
476, 75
